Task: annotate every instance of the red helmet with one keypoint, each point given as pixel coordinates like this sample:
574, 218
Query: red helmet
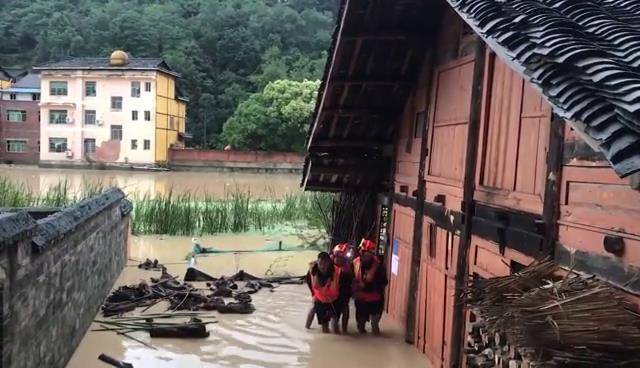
340, 248
367, 245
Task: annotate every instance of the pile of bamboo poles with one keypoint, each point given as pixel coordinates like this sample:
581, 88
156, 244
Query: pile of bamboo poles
571, 321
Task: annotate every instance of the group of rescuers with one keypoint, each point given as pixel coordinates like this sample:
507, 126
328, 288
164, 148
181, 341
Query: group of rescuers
334, 279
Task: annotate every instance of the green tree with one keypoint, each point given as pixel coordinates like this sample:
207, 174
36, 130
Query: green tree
275, 119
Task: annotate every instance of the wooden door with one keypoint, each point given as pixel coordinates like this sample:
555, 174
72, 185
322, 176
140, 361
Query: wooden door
436, 294
402, 236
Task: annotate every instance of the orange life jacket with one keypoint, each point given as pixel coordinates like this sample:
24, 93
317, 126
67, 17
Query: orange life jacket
328, 293
366, 296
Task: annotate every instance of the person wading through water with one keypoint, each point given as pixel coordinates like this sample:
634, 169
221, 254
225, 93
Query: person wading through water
342, 257
368, 288
326, 280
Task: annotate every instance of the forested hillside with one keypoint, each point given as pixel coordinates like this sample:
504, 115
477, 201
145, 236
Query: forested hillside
226, 50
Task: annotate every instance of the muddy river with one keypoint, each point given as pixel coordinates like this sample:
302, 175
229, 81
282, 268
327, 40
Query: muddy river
273, 336
156, 182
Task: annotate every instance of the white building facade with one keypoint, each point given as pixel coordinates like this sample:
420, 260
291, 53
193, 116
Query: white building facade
107, 110
84, 111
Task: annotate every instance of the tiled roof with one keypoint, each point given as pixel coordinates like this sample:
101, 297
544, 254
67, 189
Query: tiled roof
104, 64
584, 55
31, 80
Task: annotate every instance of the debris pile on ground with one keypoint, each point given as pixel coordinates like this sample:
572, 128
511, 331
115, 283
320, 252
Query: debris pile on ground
151, 265
181, 296
536, 318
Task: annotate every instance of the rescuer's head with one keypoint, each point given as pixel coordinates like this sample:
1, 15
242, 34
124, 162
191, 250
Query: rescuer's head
367, 250
324, 262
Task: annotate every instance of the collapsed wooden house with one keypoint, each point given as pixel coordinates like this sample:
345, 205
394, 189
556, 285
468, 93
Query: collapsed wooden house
493, 133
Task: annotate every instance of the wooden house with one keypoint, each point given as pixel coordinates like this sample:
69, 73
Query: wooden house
495, 133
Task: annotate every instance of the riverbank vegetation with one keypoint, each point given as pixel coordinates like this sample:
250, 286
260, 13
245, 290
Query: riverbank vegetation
188, 213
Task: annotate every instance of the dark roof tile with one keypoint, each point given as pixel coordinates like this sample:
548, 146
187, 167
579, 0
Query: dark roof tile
583, 55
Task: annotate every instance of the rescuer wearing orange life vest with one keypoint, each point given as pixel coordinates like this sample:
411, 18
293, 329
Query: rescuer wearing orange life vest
368, 286
342, 256
326, 280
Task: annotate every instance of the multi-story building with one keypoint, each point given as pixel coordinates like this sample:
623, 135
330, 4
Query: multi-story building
109, 110
20, 121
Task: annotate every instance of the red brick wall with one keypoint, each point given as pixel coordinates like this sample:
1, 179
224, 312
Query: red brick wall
29, 130
186, 156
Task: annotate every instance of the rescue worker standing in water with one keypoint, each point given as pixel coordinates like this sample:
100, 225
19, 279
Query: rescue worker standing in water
342, 256
326, 280
368, 287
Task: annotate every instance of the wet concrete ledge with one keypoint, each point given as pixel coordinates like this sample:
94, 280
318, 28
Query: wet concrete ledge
54, 274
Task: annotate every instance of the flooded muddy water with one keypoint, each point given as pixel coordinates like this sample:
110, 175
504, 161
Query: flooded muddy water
273, 336
156, 182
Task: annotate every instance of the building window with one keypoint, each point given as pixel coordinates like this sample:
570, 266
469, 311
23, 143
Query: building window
116, 132
135, 89
147, 144
90, 89
57, 116
35, 97
134, 115
16, 116
16, 145
58, 88
89, 145
147, 116
89, 117
147, 86
57, 145
116, 103
134, 144
12, 96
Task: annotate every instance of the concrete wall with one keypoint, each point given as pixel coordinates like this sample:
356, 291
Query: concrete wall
235, 160
55, 274
108, 84
28, 131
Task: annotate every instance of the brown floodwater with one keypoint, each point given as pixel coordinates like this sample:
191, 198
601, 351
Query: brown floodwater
156, 182
273, 336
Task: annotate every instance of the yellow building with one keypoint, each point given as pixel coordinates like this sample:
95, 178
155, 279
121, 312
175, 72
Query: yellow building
170, 115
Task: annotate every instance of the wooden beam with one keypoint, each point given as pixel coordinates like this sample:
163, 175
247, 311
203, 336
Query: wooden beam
418, 220
551, 205
468, 204
382, 36
373, 82
354, 58
346, 111
334, 57
370, 168
334, 143
334, 124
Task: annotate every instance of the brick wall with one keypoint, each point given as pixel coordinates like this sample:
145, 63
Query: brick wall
55, 274
28, 130
235, 160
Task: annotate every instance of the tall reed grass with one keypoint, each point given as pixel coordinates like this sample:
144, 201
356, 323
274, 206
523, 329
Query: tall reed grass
188, 213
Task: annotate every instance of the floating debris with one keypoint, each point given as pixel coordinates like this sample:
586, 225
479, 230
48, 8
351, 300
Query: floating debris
151, 265
114, 362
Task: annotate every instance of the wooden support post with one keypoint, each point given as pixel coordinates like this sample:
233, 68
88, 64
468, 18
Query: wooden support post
416, 244
468, 204
551, 207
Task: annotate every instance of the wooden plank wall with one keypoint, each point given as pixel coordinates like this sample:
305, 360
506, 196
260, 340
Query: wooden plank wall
518, 179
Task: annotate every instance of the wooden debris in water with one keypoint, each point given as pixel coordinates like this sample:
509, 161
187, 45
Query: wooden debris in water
537, 317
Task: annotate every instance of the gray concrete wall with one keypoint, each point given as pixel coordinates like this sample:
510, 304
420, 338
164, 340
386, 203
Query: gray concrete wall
55, 274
